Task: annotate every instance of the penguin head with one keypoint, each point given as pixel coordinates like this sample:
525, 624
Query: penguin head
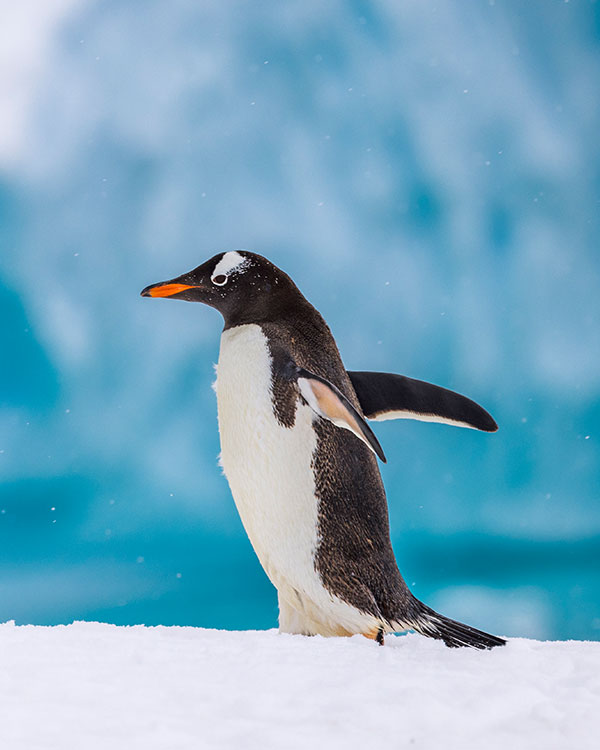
244, 287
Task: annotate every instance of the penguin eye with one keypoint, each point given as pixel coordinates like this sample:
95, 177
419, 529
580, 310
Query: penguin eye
220, 280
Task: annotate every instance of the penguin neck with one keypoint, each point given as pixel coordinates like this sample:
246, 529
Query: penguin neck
290, 310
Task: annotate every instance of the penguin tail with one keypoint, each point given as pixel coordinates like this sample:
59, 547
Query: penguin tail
455, 634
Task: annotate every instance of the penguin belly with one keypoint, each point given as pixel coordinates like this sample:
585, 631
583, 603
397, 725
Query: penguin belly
270, 473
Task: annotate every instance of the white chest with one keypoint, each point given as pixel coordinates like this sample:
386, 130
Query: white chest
269, 469
268, 466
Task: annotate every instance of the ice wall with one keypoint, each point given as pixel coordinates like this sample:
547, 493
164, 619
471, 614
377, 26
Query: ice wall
427, 172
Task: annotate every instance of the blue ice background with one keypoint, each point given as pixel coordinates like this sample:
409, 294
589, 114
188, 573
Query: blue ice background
427, 172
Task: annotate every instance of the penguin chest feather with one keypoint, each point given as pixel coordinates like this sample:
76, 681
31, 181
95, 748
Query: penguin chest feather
269, 468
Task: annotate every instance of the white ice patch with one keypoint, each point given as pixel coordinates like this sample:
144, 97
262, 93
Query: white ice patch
231, 261
102, 686
30, 35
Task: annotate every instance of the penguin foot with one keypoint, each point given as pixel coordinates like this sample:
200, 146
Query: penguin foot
374, 635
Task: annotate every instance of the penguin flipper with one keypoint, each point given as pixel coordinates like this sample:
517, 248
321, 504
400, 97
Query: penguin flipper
384, 396
326, 400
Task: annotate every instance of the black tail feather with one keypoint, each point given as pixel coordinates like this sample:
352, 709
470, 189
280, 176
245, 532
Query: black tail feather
454, 634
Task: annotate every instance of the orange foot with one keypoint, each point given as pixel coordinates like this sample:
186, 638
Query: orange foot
375, 635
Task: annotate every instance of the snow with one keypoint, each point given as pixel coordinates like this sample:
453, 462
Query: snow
90, 685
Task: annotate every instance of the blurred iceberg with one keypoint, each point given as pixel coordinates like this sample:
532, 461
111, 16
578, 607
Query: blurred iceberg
428, 173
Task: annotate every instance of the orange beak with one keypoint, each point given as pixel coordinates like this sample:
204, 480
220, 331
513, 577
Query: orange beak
165, 290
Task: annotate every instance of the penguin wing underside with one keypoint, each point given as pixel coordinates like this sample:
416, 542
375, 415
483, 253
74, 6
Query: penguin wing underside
326, 400
384, 396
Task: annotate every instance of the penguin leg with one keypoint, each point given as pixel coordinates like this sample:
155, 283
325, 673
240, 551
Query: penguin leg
291, 620
305, 619
376, 635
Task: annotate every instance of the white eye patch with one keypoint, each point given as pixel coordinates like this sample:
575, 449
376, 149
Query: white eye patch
229, 263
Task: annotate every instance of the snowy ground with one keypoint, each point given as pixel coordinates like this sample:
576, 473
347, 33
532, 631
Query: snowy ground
90, 686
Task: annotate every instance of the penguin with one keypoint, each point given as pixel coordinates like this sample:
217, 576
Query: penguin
301, 458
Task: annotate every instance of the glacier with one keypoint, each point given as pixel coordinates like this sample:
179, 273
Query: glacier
427, 173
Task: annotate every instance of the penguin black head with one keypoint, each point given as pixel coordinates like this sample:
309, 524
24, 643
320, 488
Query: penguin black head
244, 287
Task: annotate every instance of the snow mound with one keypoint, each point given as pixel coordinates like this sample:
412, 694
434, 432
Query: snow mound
90, 685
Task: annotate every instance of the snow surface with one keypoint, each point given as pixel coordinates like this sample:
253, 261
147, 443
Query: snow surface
90, 685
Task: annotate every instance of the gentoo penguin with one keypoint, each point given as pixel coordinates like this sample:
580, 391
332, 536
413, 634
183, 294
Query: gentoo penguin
301, 459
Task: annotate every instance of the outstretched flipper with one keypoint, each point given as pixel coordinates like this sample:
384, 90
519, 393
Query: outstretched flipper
384, 396
326, 400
